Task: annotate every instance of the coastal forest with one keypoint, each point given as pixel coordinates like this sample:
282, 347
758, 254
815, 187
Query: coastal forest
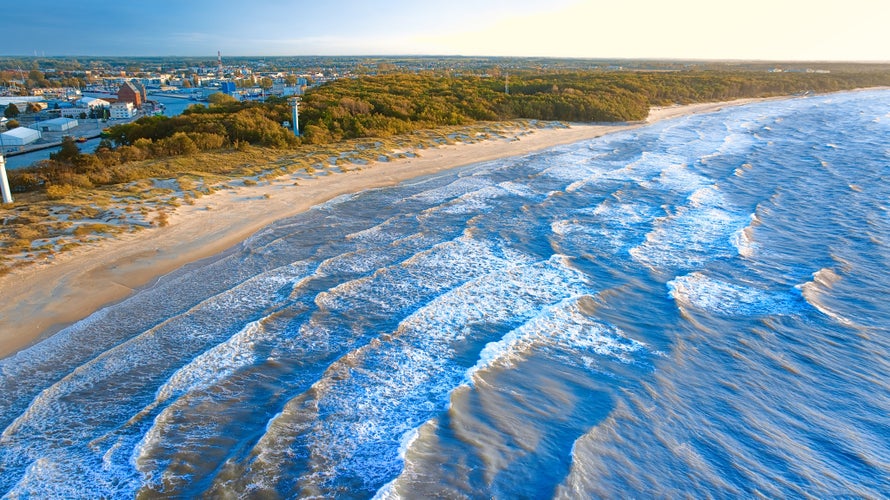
380, 106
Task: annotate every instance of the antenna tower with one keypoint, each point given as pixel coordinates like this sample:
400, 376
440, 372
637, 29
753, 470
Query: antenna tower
507, 83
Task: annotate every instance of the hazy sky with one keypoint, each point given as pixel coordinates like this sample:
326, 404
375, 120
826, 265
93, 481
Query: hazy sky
700, 29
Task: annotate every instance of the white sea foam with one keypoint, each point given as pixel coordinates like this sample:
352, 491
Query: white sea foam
708, 196
729, 299
69, 477
689, 238
459, 187
398, 286
612, 226
517, 189
377, 234
743, 239
566, 170
469, 203
563, 327
215, 364
623, 212
678, 177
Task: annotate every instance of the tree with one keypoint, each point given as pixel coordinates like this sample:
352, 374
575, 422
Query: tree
68, 152
33, 108
220, 98
11, 124
11, 111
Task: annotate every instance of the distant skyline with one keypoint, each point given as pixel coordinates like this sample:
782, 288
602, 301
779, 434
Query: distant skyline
851, 30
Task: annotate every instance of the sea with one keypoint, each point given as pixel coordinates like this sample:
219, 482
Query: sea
695, 308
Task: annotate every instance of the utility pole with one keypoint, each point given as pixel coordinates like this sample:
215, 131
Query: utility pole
4, 181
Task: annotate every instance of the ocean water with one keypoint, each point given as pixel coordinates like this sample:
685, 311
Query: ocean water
698, 307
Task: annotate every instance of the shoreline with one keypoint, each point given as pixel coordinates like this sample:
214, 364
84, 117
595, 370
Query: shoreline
41, 299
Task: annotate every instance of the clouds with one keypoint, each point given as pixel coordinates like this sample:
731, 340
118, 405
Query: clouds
757, 29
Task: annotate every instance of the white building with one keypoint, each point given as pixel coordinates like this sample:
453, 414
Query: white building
57, 125
122, 110
20, 136
74, 112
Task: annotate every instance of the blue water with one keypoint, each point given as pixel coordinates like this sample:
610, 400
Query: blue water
698, 307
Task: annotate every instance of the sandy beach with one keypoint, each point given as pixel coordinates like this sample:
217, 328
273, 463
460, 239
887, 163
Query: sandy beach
39, 300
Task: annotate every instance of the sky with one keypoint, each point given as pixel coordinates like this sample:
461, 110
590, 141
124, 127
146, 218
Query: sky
848, 30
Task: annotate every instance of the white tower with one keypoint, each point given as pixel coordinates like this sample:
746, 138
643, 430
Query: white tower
4, 181
296, 118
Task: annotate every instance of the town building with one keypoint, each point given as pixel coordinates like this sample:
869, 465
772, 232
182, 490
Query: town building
122, 110
131, 93
73, 112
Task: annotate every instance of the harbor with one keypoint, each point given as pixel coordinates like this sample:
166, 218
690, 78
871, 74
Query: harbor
90, 130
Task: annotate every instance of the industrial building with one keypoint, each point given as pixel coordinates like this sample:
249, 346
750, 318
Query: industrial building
20, 136
57, 125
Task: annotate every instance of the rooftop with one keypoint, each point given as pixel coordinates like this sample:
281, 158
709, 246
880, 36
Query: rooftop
59, 121
21, 132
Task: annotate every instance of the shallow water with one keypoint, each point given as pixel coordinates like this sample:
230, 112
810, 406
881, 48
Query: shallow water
696, 307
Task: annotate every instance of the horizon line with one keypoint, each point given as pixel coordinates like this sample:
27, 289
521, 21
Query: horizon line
395, 55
